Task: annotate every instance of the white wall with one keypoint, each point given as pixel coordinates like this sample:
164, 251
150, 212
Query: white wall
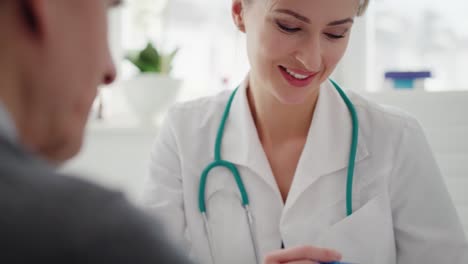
116, 157
443, 117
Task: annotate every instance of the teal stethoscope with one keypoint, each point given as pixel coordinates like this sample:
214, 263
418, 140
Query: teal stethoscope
219, 162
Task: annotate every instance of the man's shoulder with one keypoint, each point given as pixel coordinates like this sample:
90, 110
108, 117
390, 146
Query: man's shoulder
46, 214
33, 191
32, 180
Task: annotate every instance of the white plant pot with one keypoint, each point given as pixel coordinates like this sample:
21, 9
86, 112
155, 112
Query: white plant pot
149, 95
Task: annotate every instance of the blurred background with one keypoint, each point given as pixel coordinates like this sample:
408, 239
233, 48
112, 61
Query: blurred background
411, 54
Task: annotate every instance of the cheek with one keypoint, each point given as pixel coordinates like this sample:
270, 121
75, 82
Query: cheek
93, 61
273, 46
84, 87
333, 55
94, 39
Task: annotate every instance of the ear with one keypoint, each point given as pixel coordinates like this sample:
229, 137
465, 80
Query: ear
237, 10
34, 17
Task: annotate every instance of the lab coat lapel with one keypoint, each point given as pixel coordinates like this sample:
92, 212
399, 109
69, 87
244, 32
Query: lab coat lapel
241, 144
328, 144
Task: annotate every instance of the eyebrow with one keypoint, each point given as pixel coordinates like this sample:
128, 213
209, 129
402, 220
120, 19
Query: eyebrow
294, 14
341, 22
307, 20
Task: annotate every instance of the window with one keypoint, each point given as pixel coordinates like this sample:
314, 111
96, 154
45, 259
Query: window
395, 35
421, 35
211, 50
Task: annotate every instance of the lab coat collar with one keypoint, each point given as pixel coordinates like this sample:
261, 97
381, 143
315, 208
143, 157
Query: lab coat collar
326, 150
241, 144
328, 144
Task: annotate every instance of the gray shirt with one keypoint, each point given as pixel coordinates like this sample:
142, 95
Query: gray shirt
7, 127
46, 217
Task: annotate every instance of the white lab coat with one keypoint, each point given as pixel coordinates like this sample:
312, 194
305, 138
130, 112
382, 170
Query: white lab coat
402, 211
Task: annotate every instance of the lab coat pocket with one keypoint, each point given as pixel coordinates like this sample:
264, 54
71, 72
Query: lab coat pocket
228, 222
365, 237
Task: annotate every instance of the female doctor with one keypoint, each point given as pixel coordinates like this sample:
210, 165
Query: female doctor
288, 160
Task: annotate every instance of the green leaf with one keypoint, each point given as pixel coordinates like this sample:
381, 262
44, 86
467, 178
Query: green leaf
167, 62
150, 60
150, 55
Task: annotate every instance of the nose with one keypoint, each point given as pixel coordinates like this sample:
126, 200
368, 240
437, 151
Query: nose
309, 54
110, 71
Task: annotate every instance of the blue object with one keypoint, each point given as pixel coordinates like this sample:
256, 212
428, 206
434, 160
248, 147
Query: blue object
408, 75
405, 80
403, 83
219, 162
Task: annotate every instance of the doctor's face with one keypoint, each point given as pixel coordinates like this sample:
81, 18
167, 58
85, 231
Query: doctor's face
294, 45
72, 50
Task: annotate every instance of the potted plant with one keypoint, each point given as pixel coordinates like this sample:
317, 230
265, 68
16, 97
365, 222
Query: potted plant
153, 90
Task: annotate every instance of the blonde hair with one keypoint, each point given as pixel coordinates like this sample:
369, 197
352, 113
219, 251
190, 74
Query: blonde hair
363, 7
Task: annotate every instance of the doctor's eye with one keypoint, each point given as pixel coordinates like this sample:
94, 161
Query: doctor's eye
286, 28
333, 36
336, 33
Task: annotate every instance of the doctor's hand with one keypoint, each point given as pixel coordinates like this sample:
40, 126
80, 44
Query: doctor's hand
302, 255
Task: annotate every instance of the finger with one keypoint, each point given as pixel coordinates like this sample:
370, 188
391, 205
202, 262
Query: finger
321, 254
301, 262
303, 253
267, 261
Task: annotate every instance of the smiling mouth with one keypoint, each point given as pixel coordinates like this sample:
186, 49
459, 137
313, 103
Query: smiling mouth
299, 76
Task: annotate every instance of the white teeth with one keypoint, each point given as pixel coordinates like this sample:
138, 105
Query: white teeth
296, 75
